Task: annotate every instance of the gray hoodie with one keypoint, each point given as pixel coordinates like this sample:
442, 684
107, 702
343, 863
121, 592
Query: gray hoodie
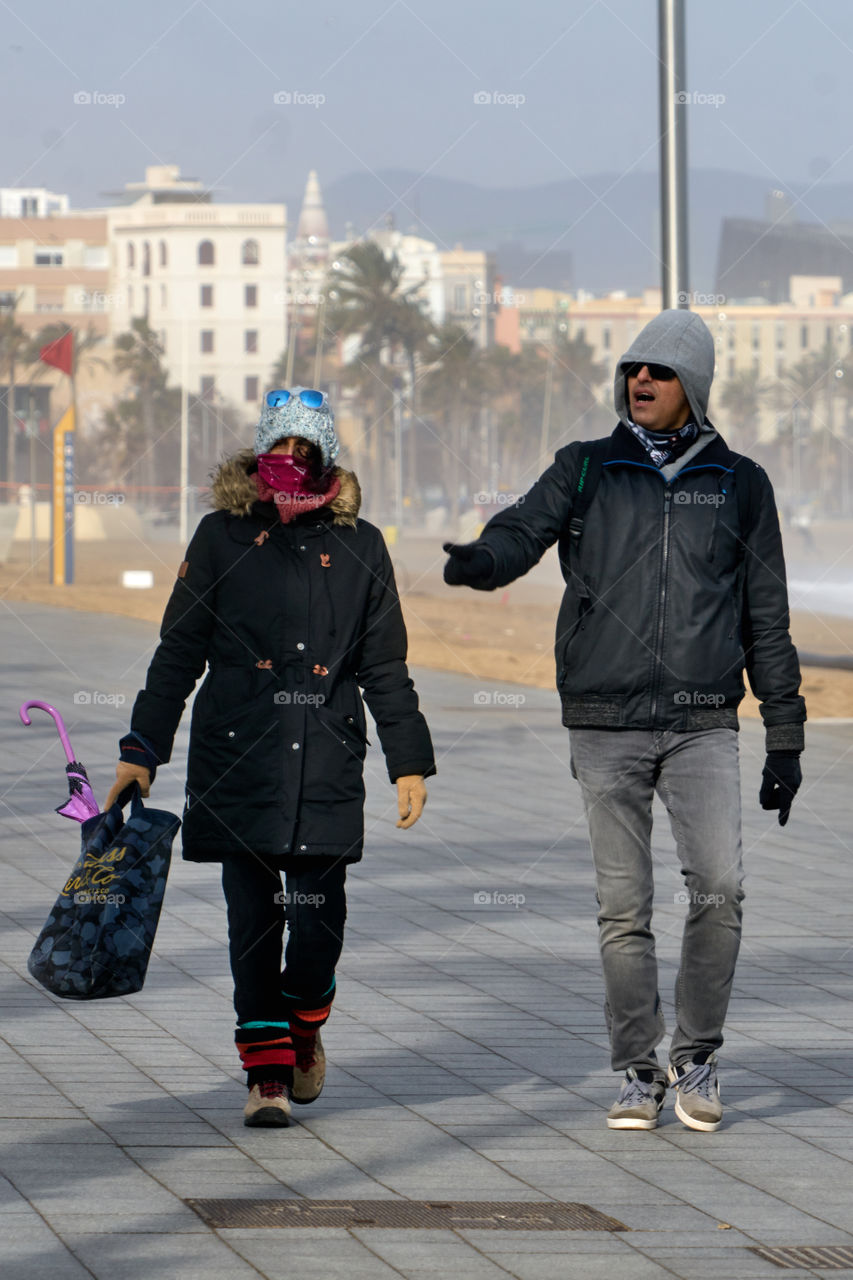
682, 341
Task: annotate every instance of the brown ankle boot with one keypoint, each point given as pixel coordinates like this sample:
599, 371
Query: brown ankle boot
309, 1073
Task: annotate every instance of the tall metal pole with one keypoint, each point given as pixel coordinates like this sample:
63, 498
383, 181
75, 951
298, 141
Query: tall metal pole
32, 431
291, 346
183, 532
318, 341
398, 460
673, 154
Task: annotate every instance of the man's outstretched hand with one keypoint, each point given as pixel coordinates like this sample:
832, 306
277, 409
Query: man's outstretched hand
780, 782
470, 564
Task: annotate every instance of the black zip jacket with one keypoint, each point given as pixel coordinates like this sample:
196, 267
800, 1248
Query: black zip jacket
672, 601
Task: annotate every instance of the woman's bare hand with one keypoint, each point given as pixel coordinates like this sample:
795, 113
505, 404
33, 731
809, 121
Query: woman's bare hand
126, 774
411, 798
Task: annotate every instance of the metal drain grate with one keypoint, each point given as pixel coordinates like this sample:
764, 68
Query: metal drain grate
826, 1257
484, 1215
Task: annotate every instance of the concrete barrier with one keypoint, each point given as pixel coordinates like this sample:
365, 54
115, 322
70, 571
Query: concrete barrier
91, 523
8, 524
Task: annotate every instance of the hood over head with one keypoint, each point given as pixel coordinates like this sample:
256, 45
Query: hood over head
682, 341
233, 489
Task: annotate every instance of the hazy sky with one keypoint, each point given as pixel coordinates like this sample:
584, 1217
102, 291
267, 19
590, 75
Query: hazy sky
399, 79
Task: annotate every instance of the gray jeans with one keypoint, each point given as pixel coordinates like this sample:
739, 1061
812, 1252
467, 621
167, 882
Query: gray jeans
697, 777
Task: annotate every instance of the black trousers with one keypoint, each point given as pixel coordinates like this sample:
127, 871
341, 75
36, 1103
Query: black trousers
313, 905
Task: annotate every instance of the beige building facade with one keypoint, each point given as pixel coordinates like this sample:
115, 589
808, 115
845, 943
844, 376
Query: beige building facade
211, 279
56, 269
470, 300
761, 339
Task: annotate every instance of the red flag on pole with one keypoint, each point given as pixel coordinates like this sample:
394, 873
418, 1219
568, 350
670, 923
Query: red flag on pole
60, 353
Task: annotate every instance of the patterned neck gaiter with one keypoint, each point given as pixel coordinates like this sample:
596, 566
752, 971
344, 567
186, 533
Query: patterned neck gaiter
281, 479
291, 505
665, 446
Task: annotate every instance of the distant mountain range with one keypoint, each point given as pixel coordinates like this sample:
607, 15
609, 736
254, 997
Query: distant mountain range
599, 232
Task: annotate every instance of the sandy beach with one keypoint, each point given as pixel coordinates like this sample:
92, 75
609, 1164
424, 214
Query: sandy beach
501, 636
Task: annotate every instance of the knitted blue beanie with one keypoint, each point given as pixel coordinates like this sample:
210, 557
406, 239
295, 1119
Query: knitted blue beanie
293, 418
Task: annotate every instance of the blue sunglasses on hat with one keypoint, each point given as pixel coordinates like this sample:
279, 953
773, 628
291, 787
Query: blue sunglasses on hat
311, 399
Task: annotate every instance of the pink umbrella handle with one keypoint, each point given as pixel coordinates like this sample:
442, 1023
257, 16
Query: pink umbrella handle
59, 722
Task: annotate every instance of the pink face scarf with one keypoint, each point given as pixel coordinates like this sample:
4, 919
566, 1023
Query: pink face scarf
285, 480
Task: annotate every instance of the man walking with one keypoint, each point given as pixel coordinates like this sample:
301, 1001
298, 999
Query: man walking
675, 583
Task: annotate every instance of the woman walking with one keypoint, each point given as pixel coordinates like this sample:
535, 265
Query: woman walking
289, 601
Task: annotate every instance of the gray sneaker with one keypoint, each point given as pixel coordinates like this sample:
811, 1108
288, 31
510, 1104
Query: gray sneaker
638, 1105
697, 1094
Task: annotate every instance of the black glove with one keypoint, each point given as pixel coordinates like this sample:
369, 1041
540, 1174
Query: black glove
780, 782
470, 564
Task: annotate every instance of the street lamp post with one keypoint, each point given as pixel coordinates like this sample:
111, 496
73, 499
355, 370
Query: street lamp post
672, 81
398, 456
183, 517
32, 432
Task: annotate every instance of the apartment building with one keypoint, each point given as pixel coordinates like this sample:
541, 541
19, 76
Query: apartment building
470, 299
211, 280
55, 267
768, 340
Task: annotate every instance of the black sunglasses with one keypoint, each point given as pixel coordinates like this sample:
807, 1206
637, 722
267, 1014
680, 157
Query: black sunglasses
660, 372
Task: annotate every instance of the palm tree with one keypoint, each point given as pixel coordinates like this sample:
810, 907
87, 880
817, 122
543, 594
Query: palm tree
414, 328
800, 387
302, 371
136, 425
798, 394
576, 377
741, 399
454, 391
503, 380
368, 378
367, 298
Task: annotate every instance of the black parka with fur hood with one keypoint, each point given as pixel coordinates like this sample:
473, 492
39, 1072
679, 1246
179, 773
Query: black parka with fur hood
289, 619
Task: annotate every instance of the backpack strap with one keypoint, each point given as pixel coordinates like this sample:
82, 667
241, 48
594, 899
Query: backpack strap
590, 463
747, 494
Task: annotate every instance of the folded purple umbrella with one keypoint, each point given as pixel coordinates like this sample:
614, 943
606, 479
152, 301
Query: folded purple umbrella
81, 803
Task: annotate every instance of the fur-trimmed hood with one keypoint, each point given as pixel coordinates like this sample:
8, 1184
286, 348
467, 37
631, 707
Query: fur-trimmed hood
233, 489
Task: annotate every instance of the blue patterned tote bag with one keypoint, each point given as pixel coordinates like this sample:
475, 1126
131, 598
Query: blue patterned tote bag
98, 937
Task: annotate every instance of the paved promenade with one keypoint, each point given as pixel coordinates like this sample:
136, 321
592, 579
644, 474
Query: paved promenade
467, 1048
